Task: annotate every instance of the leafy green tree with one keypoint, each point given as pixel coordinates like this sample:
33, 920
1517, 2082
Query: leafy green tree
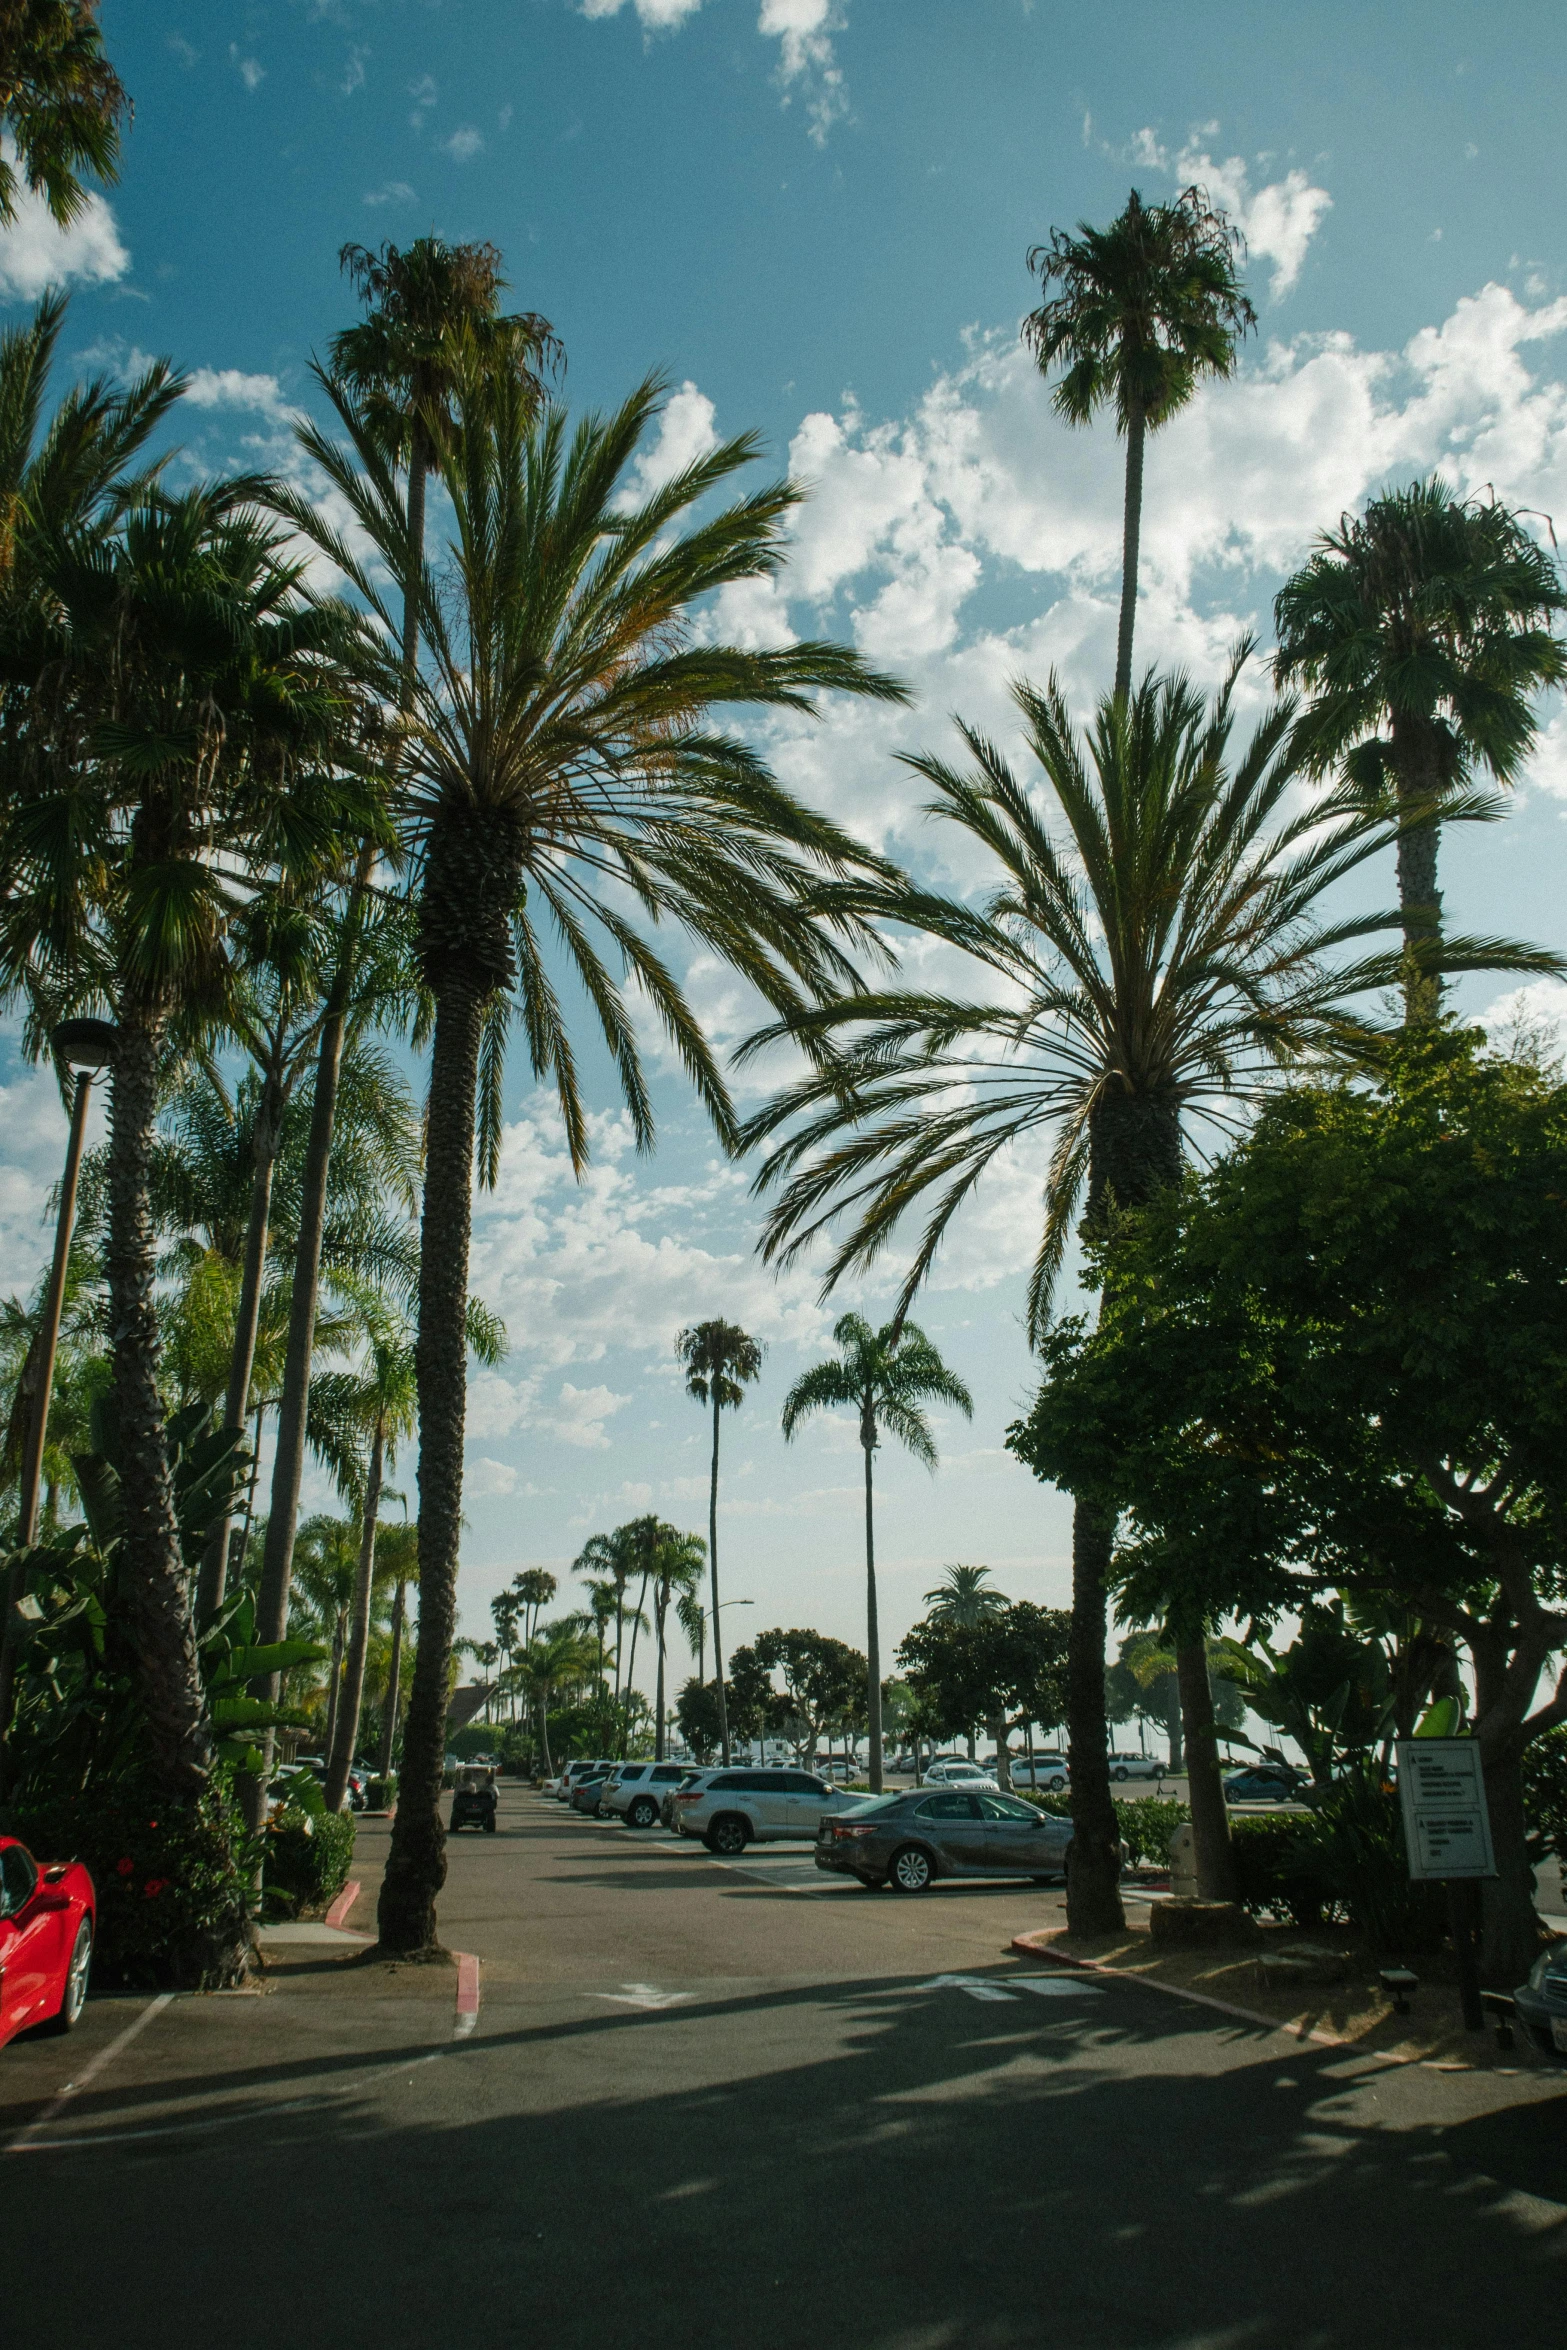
1330, 1690
1135, 316
61, 103
721, 1361
754, 1708
179, 761
1423, 629
1151, 964
822, 1677
559, 752
1339, 1363
986, 1666
696, 1716
887, 1376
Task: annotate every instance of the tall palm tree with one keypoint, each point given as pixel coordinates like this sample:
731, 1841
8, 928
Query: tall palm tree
534, 1587
886, 1376
966, 1596
399, 1553
609, 1559
721, 1361
560, 764
1146, 308
175, 757
1152, 962
558, 1656
1422, 629
677, 1562
61, 103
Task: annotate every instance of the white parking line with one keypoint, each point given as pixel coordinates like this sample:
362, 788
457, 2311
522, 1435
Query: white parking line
646, 1995
1007, 1986
27, 2139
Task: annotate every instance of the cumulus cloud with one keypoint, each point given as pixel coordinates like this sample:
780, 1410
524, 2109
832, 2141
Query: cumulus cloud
1278, 220
230, 387
35, 251
390, 192
251, 71
579, 1415
464, 144
686, 433
803, 29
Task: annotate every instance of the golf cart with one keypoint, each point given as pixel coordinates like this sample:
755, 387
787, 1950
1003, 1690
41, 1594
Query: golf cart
473, 1800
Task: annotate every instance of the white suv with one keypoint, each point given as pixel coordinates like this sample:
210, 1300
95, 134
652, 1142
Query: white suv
634, 1792
731, 1809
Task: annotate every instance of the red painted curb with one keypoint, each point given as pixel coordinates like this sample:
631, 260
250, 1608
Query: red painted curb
340, 1908
467, 1991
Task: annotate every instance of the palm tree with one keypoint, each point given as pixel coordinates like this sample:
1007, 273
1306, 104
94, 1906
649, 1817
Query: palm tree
678, 1560
556, 1657
398, 1547
885, 1375
607, 1559
1422, 628
721, 1362
61, 103
966, 1596
1156, 964
1146, 309
173, 763
559, 762
534, 1587
692, 1616
328, 1566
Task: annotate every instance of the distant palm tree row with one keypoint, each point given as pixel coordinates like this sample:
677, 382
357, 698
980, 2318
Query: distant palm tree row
467, 800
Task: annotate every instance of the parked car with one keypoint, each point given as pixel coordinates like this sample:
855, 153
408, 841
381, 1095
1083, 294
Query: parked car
1263, 1783
574, 1772
1047, 1771
1541, 2003
636, 1790
952, 1773
731, 1809
47, 1917
907, 1841
473, 1800
1137, 1766
587, 1790
692, 1776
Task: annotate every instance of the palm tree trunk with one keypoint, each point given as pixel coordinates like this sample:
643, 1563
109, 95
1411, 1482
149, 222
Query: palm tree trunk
631, 1661
1419, 899
662, 1608
1131, 537
154, 1596
712, 1563
1093, 1895
394, 1676
872, 1631
340, 1755
416, 1863
544, 1732
335, 1685
288, 1462
236, 1409
1211, 1847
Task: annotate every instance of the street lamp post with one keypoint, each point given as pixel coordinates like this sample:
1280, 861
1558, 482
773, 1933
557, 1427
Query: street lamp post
724, 1717
85, 1046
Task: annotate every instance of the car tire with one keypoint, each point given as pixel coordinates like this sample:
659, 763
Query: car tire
642, 1813
489, 1825
1120, 1774
73, 1997
728, 1836
909, 1870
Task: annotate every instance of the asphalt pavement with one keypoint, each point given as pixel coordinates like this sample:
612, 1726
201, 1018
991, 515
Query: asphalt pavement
734, 2106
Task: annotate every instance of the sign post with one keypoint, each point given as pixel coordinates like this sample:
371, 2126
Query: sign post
1447, 1831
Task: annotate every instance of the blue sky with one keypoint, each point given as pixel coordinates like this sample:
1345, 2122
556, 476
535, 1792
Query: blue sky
814, 218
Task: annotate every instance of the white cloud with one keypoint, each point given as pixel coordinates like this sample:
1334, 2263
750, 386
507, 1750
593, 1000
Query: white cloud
390, 192
251, 71
464, 144
230, 387
354, 71
579, 1416
686, 433
656, 16
1277, 220
35, 251
484, 1477
803, 30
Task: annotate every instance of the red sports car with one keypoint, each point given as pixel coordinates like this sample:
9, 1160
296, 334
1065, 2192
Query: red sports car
46, 1931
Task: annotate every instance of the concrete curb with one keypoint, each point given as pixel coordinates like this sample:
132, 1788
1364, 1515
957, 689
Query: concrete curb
467, 2018
1038, 1946
337, 1915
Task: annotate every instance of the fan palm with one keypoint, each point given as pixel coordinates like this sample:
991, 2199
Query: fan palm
966, 1596
560, 768
886, 1376
1153, 967
172, 759
1422, 629
534, 1588
61, 103
721, 1361
1145, 309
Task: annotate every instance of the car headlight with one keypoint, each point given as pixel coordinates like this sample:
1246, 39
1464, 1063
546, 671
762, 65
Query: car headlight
1541, 1968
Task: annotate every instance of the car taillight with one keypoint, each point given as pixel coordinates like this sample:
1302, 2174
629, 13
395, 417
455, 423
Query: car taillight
842, 1832
693, 1797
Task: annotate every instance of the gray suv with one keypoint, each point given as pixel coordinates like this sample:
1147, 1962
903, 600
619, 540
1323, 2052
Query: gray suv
907, 1841
731, 1809
634, 1792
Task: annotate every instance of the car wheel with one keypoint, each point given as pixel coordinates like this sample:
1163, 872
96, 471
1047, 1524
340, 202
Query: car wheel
489, 1825
909, 1870
74, 1996
727, 1837
1120, 1774
642, 1813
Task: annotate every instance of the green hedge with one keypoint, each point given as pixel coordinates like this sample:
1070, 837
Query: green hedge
1147, 1823
308, 1857
169, 1875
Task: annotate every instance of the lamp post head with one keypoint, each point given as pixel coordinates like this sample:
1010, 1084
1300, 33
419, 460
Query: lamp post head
85, 1044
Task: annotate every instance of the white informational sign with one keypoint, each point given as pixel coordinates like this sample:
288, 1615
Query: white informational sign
1447, 1825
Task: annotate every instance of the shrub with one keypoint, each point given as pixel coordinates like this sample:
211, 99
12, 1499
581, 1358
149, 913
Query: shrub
1268, 1871
170, 1876
1147, 1824
1545, 1796
308, 1856
1352, 1852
